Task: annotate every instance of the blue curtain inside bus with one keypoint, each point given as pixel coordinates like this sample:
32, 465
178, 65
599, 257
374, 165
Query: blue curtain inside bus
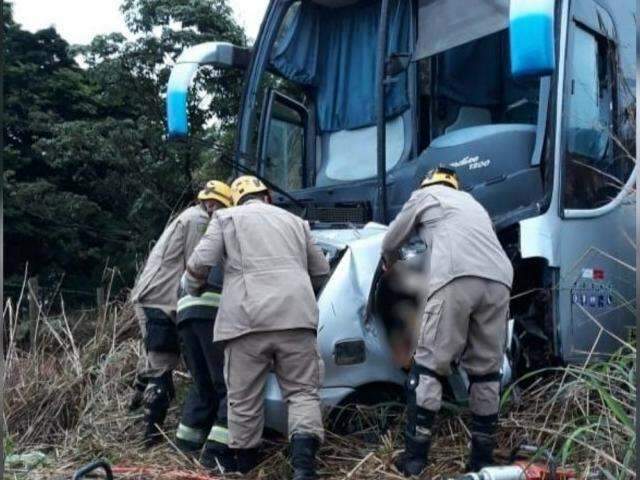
334, 50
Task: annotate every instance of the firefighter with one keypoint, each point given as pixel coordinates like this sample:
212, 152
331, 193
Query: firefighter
204, 412
267, 318
154, 297
464, 314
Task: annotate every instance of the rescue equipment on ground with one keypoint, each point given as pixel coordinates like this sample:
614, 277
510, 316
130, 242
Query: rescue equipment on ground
92, 468
524, 469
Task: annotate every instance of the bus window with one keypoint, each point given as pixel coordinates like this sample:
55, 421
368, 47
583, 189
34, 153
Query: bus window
595, 168
271, 82
325, 59
471, 85
283, 165
283, 154
264, 144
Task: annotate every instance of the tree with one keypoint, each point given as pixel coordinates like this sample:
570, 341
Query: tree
90, 180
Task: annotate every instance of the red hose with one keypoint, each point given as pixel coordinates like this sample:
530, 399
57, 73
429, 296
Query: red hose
160, 473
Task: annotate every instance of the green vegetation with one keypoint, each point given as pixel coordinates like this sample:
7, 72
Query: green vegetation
585, 415
89, 180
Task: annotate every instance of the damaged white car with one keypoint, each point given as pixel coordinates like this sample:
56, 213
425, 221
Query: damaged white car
366, 324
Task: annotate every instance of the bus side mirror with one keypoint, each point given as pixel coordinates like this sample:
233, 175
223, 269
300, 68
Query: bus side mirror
218, 54
532, 38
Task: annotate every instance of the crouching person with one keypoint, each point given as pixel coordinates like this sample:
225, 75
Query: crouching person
267, 318
464, 314
155, 297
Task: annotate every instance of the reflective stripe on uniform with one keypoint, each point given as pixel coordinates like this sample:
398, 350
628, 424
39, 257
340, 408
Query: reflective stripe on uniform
207, 299
190, 434
219, 434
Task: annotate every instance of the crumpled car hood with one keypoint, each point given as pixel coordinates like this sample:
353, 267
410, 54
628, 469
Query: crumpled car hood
341, 238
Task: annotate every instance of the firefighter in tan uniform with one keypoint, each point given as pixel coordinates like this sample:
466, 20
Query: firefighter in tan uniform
155, 296
267, 318
464, 313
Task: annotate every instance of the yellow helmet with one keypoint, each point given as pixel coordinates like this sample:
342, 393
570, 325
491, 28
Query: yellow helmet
245, 185
441, 175
216, 190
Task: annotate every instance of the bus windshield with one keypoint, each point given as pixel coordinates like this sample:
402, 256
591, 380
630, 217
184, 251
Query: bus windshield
471, 85
324, 58
319, 128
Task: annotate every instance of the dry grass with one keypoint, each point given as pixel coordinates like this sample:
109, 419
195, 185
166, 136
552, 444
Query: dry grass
69, 398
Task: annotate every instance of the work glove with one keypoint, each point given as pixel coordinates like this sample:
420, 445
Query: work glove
190, 284
387, 263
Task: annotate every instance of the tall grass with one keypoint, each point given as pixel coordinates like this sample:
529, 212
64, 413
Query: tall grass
62, 390
68, 397
585, 414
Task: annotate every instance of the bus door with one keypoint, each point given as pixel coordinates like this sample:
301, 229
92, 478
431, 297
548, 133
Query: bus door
595, 205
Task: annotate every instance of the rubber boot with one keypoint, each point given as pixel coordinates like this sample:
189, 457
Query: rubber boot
481, 454
139, 386
157, 398
218, 456
415, 457
246, 459
303, 456
189, 440
187, 447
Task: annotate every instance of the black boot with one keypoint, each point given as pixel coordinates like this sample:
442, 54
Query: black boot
303, 456
481, 455
483, 429
187, 447
189, 440
417, 435
415, 457
157, 398
139, 385
219, 456
246, 459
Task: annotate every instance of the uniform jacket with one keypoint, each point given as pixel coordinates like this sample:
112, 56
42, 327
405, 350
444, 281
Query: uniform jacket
205, 306
269, 255
157, 285
458, 233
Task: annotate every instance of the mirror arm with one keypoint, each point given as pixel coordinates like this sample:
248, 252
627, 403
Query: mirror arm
218, 54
